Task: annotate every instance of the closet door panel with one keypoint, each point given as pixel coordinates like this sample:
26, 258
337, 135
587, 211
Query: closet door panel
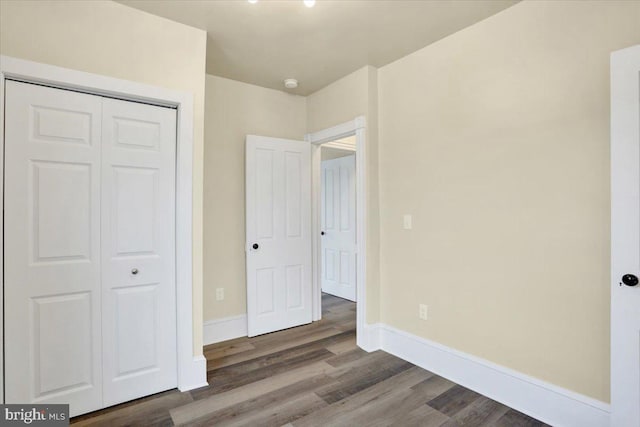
138, 229
53, 348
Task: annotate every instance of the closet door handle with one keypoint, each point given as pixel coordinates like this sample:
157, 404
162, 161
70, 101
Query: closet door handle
134, 271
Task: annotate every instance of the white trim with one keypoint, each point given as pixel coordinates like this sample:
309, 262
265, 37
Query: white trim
191, 370
544, 401
355, 127
227, 328
369, 337
193, 378
340, 131
2, 79
340, 146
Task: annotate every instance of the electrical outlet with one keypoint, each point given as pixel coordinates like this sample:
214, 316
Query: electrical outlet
219, 294
422, 311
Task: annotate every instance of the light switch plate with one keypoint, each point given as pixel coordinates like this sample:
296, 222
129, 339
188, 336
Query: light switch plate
407, 222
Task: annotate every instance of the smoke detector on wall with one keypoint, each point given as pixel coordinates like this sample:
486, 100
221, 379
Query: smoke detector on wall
290, 83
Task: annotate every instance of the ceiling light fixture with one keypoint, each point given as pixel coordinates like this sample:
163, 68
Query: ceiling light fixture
290, 83
253, 1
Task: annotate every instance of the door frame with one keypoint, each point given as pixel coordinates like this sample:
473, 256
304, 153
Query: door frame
625, 110
353, 127
191, 369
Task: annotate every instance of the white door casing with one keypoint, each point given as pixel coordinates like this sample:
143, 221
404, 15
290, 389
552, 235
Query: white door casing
138, 250
367, 338
278, 233
625, 237
52, 247
338, 223
75, 163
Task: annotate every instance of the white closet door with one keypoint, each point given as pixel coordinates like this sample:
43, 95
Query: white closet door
52, 247
338, 217
278, 179
138, 250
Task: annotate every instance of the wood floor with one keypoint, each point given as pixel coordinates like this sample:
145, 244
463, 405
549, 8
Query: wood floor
313, 375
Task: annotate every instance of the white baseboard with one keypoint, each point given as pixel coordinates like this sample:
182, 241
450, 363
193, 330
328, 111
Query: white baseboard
546, 402
195, 376
224, 329
368, 337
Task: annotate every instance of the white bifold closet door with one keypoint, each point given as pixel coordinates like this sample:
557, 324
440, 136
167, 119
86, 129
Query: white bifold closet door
89, 248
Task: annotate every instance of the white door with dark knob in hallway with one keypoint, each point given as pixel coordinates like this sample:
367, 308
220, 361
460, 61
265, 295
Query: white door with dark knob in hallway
338, 223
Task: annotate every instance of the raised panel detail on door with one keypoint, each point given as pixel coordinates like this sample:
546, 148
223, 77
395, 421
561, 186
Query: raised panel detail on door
338, 243
138, 250
61, 211
278, 219
294, 277
137, 317
345, 264
136, 134
293, 194
328, 211
52, 233
55, 371
135, 192
345, 189
264, 194
330, 264
266, 291
59, 125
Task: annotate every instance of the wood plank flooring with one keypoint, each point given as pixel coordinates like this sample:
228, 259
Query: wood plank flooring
313, 375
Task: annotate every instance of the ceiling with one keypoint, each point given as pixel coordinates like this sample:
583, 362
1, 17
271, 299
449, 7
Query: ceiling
266, 42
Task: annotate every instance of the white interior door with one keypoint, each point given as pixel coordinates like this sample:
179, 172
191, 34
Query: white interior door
90, 309
625, 237
52, 304
338, 223
278, 246
138, 250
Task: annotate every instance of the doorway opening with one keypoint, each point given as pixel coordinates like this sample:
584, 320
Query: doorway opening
338, 218
351, 136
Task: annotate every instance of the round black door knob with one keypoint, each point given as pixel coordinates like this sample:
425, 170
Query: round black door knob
255, 246
322, 233
630, 279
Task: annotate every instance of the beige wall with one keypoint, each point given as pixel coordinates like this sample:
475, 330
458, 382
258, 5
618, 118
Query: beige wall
344, 100
110, 39
330, 153
496, 140
234, 110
